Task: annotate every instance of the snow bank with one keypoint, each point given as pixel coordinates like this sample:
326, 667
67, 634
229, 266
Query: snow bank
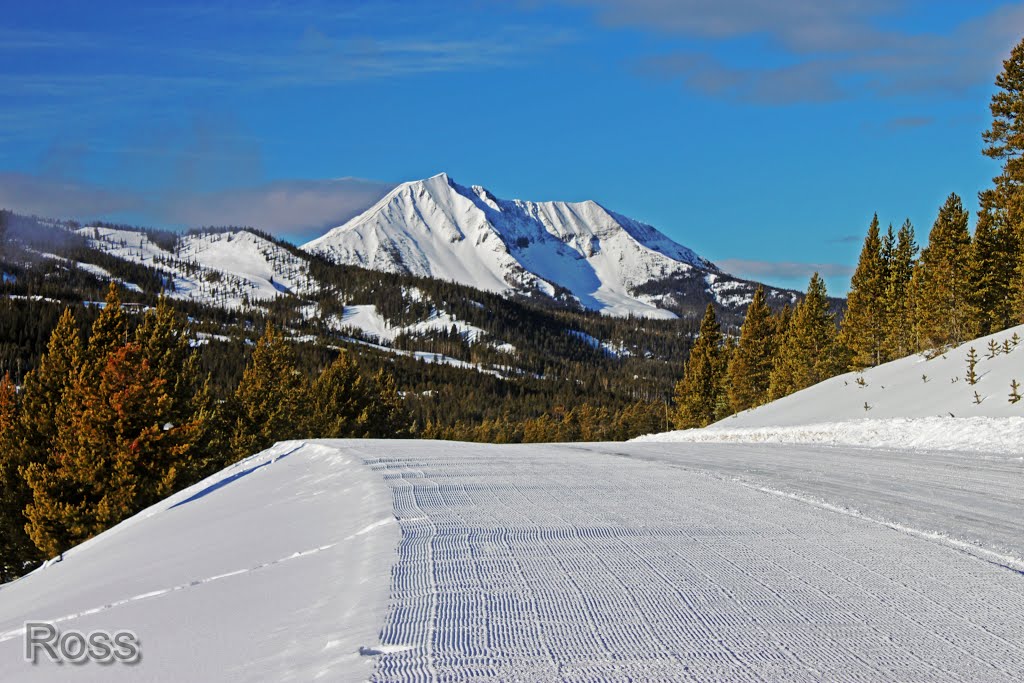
981, 434
276, 568
915, 402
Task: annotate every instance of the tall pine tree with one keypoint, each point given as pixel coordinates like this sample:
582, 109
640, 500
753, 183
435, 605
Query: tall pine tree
1005, 142
899, 334
941, 281
118, 450
272, 398
44, 389
16, 548
992, 264
810, 351
863, 329
698, 393
750, 367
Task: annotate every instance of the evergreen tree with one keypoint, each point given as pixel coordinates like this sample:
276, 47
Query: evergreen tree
44, 389
863, 329
810, 352
117, 452
941, 284
340, 400
385, 415
697, 394
751, 365
992, 266
271, 398
1005, 142
109, 332
782, 321
899, 333
16, 548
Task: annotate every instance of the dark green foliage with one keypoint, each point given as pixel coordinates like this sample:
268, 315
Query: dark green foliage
810, 351
864, 325
972, 364
699, 393
348, 404
271, 399
1005, 142
16, 548
750, 366
900, 339
941, 281
992, 264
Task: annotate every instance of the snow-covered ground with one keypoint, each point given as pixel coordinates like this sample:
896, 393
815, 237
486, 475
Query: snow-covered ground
914, 402
275, 569
221, 268
584, 562
366, 318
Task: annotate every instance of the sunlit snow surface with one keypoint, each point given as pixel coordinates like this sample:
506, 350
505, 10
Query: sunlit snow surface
559, 563
438, 228
915, 402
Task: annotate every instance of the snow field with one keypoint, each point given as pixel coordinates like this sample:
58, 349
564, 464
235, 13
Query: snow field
274, 569
217, 268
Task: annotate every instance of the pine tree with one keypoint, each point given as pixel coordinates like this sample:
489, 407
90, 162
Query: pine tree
385, 415
992, 265
340, 399
697, 394
782, 321
1005, 142
44, 389
942, 298
899, 334
271, 401
109, 331
751, 365
117, 451
863, 329
972, 364
810, 351
16, 548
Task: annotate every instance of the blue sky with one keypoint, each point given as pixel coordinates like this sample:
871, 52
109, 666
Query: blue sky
761, 134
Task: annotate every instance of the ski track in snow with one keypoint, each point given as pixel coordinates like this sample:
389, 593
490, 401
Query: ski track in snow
17, 633
567, 563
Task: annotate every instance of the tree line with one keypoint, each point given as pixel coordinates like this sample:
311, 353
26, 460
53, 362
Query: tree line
960, 286
111, 422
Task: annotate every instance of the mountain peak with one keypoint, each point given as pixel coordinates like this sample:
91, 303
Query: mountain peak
435, 227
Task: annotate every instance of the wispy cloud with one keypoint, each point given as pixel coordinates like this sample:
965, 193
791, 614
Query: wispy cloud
815, 51
298, 209
905, 122
845, 239
784, 269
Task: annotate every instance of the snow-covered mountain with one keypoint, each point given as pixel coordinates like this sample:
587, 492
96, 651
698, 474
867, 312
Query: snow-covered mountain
438, 228
226, 268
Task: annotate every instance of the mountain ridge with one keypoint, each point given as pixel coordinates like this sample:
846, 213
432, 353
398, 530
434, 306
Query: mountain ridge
436, 227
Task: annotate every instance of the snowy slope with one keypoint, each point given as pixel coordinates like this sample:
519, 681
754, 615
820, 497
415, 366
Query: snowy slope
914, 401
438, 228
221, 268
274, 569
584, 562
366, 319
